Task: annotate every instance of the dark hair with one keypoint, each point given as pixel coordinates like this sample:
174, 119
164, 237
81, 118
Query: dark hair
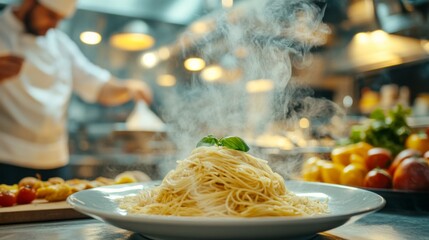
27, 19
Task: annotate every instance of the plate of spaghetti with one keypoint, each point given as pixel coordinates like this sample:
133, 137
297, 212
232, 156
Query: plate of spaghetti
219, 192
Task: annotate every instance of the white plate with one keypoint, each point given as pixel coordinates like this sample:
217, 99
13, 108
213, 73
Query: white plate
346, 204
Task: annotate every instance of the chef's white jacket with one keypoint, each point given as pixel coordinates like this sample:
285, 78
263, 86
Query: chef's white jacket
33, 105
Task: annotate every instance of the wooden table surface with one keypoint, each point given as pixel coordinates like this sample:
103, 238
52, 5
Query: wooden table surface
38, 211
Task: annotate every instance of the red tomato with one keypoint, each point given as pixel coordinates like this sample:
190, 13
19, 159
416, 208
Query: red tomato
25, 195
7, 199
412, 174
378, 157
378, 178
404, 154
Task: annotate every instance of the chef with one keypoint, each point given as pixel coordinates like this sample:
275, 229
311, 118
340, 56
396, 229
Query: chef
40, 67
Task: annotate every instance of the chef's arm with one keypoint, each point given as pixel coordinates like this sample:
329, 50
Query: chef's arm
10, 66
116, 92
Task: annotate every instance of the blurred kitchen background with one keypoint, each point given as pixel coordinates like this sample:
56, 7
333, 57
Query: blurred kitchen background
377, 55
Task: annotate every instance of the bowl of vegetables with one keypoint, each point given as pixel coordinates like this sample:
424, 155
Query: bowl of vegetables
383, 155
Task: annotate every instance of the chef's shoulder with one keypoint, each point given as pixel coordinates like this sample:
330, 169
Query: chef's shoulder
60, 36
7, 36
62, 40
8, 27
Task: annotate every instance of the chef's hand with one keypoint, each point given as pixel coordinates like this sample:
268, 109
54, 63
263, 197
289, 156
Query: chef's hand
140, 91
116, 92
10, 66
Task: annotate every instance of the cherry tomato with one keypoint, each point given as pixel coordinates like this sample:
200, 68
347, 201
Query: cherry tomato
378, 178
25, 195
378, 157
7, 199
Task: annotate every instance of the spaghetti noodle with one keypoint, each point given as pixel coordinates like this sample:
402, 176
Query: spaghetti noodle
220, 182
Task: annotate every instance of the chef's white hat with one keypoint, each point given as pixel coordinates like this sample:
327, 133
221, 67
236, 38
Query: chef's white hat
65, 8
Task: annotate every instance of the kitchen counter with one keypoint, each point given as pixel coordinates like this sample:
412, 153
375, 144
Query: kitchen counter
376, 226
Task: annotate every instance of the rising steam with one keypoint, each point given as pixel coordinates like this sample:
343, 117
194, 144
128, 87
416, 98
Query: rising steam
276, 36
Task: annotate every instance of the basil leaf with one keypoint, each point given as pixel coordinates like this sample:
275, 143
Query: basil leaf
235, 143
209, 140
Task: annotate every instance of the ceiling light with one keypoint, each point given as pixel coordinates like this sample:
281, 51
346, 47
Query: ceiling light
166, 80
194, 64
90, 38
164, 53
212, 73
258, 86
200, 27
135, 36
227, 3
304, 123
347, 101
149, 60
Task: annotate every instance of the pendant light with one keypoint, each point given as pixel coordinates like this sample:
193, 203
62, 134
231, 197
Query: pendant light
135, 36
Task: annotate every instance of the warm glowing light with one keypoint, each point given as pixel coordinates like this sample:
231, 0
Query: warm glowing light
194, 64
164, 53
212, 73
347, 101
386, 58
149, 60
304, 123
362, 38
241, 52
276, 141
379, 36
90, 38
378, 49
166, 80
227, 3
199, 27
425, 45
261, 85
132, 41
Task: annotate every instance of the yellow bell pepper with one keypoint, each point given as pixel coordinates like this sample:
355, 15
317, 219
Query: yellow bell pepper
341, 155
311, 170
331, 172
353, 175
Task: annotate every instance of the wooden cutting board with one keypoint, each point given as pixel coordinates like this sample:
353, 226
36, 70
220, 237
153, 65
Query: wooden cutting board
38, 211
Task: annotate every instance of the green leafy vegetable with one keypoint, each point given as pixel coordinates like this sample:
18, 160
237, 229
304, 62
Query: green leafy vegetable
231, 142
388, 130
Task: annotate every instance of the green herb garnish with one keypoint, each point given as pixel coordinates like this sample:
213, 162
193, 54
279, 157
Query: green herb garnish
209, 140
231, 142
234, 143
